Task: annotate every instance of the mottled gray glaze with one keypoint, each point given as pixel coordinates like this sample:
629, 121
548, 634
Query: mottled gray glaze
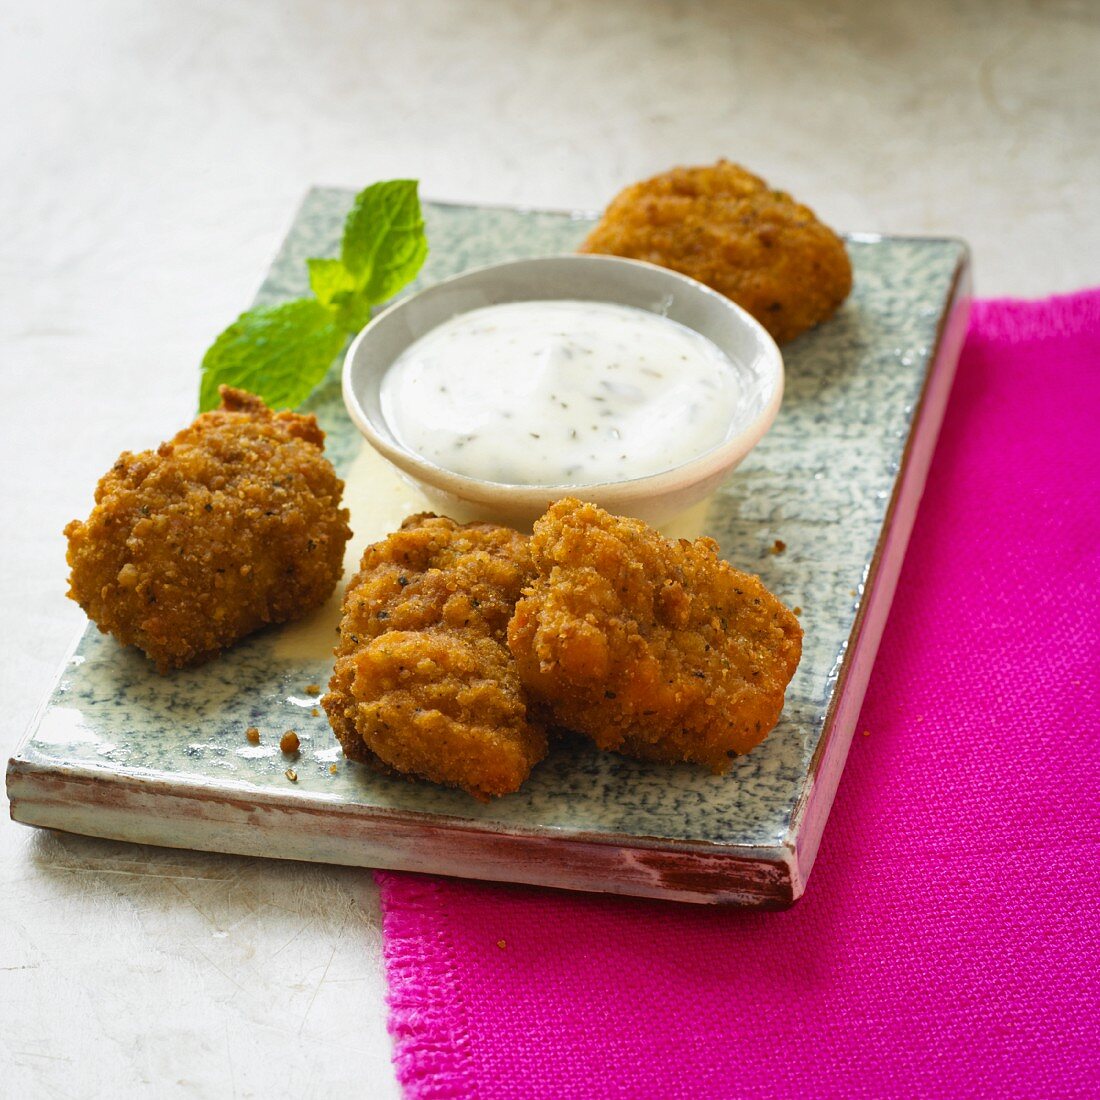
820, 481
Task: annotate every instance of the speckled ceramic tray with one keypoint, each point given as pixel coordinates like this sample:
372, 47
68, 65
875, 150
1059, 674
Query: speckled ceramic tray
118, 751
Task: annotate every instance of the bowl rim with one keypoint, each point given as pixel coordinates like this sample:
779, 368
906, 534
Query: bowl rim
475, 489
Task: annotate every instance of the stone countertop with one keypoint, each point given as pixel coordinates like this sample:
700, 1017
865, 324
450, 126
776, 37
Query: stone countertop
156, 155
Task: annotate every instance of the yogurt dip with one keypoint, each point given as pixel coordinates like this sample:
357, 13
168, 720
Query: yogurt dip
567, 393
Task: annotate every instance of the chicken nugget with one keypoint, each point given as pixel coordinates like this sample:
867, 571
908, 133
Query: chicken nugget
727, 228
651, 648
233, 524
424, 683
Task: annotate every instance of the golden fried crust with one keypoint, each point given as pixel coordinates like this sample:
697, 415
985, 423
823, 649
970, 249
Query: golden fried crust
233, 524
424, 682
652, 648
728, 229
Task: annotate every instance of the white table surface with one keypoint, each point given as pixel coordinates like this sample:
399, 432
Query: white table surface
153, 155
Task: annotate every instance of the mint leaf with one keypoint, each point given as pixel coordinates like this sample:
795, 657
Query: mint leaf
278, 352
330, 281
384, 242
384, 247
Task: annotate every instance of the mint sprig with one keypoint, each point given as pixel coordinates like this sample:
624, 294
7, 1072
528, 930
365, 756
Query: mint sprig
283, 352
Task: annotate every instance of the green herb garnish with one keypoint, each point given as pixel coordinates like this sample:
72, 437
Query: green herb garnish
282, 352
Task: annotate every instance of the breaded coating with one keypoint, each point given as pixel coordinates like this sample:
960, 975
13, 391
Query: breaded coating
233, 524
652, 648
424, 683
727, 228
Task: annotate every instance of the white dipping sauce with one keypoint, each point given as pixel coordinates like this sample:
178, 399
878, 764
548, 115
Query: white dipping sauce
560, 393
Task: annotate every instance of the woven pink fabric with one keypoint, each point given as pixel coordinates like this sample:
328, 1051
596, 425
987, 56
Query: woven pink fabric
948, 941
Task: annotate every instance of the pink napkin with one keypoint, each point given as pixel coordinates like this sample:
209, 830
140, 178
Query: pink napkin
948, 941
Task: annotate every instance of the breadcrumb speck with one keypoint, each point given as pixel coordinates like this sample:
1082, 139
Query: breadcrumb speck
292, 775
333, 769
777, 547
313, 689
796, 610
501, 944
866, 733
314, 712
289, 742
252, 735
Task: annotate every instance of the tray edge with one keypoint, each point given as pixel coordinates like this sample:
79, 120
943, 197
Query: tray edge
176, 814
811, 811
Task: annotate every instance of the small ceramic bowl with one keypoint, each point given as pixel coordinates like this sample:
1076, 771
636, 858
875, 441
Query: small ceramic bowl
657, 498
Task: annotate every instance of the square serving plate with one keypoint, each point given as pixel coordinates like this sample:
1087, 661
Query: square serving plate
119, 751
